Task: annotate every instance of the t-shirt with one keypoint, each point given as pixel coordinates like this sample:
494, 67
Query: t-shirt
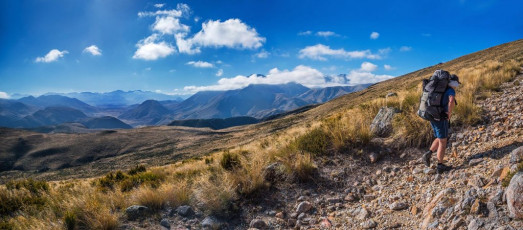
449, 92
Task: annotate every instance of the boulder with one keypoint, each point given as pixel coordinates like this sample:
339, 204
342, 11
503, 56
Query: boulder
185, 211
165, 223
273, 172
369, 224
136, 211
258, 223
514, 196
382, 124
211, 222
304, 206
516, 155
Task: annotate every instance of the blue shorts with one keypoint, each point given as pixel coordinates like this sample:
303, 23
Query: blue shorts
440, 128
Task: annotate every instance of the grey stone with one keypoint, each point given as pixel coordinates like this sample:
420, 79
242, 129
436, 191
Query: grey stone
429, 171
258, 223
396, 206
516, 155
433, 225
362, 214
369, 224
382, 123
392, 94
164, 222
514, 196
136, 211
304, 206
211, 222
273, 172
185, 211
475, 224
497, 197
492, 211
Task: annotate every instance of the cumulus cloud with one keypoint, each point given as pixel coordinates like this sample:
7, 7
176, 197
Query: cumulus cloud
374, 35
93, 50
4, 95
219, 73
405, 48
200, 64
52, 56
384, 51
169, 25
301, 74
159, 5
368, 67
308, 32
356, 77
388, 67
326, 33
320, 52
262, 54
150, 49
232, 33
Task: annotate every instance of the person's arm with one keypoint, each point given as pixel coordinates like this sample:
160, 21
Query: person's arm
451, 105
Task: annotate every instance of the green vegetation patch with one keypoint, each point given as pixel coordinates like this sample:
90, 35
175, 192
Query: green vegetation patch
128, 181
316, 142
230, 161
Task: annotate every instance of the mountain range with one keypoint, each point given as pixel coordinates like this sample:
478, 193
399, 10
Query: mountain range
203, 109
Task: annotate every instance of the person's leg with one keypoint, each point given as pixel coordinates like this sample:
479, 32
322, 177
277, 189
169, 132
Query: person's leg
434, 146
441, 149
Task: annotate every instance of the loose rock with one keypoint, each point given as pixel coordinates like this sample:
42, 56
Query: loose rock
514, 196
136, 211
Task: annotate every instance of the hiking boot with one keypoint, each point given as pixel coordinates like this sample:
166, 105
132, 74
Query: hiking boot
442, 168
426, 158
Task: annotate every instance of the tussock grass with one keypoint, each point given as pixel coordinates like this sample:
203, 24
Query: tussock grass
215, 194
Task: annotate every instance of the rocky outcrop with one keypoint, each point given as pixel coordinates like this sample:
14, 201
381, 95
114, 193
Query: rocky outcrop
382, 124
136, 211
514, 195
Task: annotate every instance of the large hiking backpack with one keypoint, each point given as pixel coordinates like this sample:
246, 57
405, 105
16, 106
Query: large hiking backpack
431, 102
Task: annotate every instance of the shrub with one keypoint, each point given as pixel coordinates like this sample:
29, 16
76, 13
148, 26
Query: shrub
70, 220
34, 186
178, 193
316, 142
128, 182
250, 178
151, 198
92, 213
137, 169
230, 161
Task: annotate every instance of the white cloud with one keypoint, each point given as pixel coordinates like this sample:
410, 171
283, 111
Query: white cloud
308, 32
357, 77
200, 64
52, 56
159, 5
149, 49
219, 73
368, 67
4, 95
169, 25
232, 33
262, 54
181, 9
301, 74
319, 52
405, 48
93, 50
374, 35
388, 67
326, 33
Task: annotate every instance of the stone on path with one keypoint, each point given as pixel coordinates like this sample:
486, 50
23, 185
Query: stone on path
514, 195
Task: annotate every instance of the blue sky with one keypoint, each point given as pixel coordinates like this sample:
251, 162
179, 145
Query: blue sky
180, 47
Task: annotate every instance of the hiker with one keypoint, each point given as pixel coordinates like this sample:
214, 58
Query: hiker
441, 126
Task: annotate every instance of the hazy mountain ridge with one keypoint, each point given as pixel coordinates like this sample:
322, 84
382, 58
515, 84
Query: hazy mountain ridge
256, 101
119, 97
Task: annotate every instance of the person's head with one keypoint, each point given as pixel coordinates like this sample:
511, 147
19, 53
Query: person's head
454, 81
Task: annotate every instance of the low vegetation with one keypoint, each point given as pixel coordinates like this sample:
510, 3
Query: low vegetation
214, 183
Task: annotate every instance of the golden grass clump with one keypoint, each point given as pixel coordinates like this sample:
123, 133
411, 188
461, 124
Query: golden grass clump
250, 177
215, 194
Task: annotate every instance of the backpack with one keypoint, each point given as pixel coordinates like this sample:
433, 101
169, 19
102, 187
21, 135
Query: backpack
431, 102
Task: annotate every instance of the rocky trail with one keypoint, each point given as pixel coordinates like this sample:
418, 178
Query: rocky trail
397, 191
